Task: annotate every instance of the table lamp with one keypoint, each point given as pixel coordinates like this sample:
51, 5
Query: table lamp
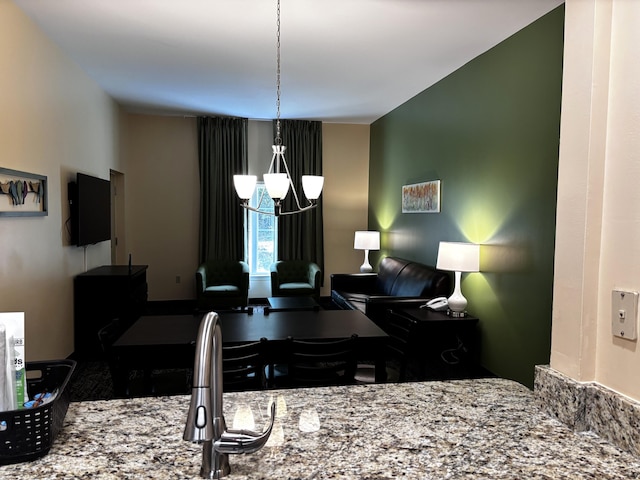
458, 257
366, 241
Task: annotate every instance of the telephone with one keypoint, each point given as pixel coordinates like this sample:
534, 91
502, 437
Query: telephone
438, 304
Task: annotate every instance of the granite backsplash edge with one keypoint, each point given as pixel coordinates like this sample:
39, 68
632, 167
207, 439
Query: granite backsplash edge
588, 406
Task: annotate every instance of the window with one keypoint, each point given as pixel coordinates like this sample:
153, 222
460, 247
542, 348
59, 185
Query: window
262, 234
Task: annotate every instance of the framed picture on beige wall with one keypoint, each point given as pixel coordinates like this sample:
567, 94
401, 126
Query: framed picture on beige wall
22, 194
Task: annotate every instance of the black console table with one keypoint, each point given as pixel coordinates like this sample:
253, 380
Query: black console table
101, 295
444, 347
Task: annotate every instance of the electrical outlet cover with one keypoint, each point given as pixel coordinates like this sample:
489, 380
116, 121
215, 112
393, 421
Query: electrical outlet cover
624, 314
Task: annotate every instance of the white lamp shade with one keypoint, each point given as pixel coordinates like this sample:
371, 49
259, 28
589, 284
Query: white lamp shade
365, 240
312, 186
458, 257
245, 185
277, 185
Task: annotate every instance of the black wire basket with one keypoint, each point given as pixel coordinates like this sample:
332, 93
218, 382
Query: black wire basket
28, 433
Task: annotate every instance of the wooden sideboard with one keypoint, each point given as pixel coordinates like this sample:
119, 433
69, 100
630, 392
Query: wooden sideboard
101, 295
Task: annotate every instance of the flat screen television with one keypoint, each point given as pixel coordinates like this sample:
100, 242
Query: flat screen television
90, 206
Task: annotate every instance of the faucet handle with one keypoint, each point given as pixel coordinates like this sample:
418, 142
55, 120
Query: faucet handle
244, 441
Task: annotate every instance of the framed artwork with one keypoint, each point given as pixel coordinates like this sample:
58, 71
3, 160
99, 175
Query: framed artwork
421, 197
22, 194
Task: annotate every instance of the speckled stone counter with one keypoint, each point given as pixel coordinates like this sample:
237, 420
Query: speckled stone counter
472, 429
589, 406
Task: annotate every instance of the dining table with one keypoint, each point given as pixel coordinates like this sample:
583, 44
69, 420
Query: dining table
168, 341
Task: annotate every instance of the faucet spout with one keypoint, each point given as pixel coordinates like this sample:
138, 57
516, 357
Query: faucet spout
205, 420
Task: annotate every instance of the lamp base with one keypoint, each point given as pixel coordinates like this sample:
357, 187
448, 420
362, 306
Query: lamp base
366, 266
457, 302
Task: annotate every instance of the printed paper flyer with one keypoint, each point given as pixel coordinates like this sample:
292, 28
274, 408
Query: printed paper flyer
14, 328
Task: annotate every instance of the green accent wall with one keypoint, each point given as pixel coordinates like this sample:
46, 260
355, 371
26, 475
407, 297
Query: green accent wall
490, 132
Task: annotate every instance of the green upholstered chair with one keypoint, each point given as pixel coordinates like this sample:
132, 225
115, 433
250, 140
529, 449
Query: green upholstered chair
291, 278
222, 284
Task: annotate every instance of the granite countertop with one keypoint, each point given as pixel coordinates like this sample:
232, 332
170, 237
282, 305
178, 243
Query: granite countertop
472, 429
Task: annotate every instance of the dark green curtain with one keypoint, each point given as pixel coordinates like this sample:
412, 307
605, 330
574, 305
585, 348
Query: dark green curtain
300, 236
222, 152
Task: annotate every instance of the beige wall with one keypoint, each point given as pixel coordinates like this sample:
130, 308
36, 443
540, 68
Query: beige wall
54, 121
162, 208
345, 153
598, 233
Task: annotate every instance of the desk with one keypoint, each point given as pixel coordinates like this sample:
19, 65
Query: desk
168, 341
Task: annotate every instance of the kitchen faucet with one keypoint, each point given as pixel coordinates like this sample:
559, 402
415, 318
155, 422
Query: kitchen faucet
205, 420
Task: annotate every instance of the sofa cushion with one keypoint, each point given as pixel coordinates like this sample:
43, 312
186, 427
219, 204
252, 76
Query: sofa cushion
388, 271
293, 271
415, 280
296, 288
222, 290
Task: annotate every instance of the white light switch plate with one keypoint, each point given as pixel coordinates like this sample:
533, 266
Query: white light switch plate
624, 314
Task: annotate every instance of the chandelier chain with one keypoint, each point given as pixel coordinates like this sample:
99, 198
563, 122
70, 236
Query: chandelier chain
278, 138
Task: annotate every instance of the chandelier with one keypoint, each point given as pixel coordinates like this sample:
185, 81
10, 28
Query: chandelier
277, 180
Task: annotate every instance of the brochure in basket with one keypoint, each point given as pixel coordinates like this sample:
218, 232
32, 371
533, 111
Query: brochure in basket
12, 336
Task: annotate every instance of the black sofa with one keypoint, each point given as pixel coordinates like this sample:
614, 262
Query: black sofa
399, 283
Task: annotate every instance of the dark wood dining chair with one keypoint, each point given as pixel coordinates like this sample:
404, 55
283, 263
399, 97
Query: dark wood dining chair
398, 350
320, 363
243, 366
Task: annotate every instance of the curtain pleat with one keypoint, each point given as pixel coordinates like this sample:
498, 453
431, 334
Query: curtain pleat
222, 152
301, 236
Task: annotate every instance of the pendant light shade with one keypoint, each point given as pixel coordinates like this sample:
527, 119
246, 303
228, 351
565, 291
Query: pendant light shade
277, 185
245, 185
312, 186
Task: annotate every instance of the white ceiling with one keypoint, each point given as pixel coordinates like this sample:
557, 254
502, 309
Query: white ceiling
348, 61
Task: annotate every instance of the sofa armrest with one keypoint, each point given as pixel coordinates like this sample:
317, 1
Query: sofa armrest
201, 278
397, 302
376, 307
245, 277
354, 282
314, 275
